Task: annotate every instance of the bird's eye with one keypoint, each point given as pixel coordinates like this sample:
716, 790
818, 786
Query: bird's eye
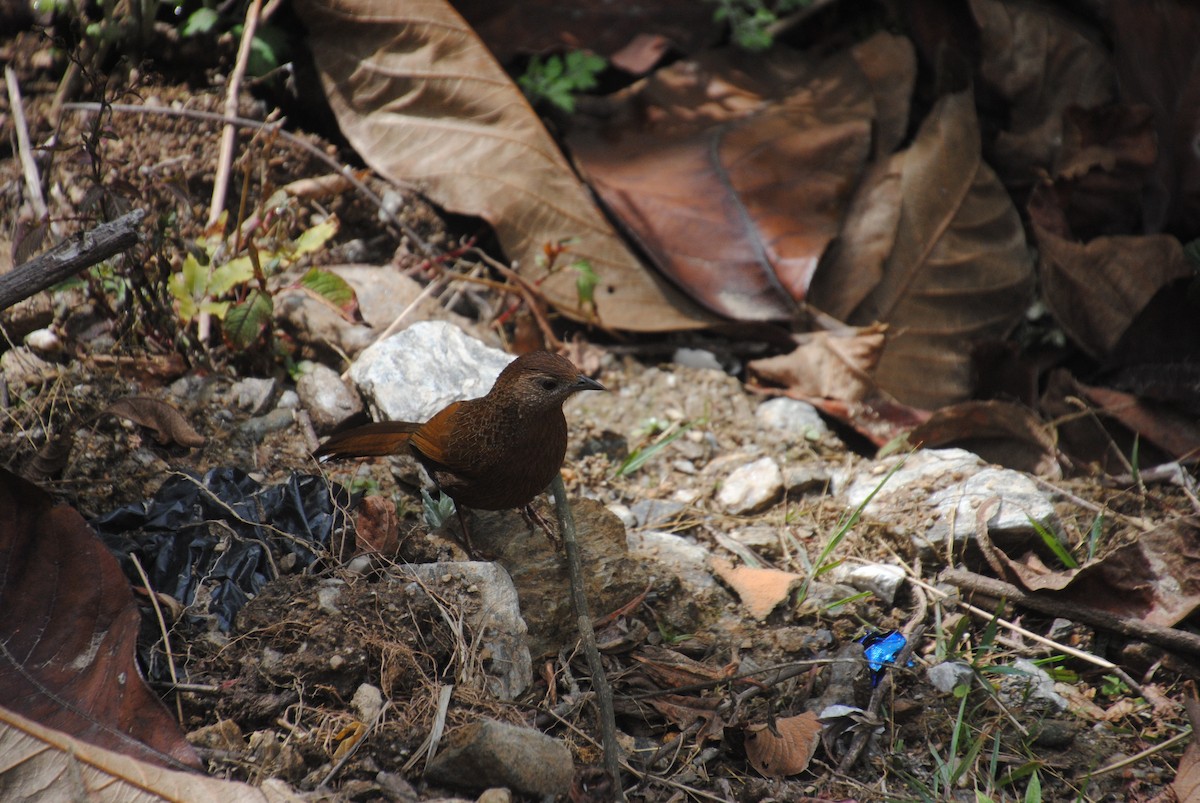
549, 384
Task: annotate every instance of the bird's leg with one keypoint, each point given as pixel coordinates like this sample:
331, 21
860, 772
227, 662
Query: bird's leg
535, 519
466, 533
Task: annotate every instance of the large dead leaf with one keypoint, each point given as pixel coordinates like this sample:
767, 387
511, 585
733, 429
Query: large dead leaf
760, 590
1158, 64
41, 763
1042, 62
732, 172
1186, 785
958, 272
1096, 290
424, 103
1156, 578
69, 630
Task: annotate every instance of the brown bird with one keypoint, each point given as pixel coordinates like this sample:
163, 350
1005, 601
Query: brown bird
492, 453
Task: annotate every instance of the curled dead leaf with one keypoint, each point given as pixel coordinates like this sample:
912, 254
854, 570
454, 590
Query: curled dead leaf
790, 752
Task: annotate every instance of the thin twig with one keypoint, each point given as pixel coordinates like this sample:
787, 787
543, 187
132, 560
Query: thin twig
604, 699
162, 628
225, 149
33, 182
1136, 757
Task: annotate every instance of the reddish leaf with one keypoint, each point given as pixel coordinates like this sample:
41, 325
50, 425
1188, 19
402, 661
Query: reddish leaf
732, 173
69, 630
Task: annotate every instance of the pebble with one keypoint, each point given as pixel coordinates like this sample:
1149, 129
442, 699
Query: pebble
323, 393
751, 488
254, 395
948, 675
792, 417
487, 753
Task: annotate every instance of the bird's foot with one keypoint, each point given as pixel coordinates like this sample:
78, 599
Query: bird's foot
535, 519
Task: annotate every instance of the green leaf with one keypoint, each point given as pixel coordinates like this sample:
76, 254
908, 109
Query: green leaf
331, 287
585, 282
1054, 544
201, 21
247, 319
228, 276
315, 238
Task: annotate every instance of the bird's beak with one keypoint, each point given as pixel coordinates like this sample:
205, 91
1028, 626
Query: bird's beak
587, 383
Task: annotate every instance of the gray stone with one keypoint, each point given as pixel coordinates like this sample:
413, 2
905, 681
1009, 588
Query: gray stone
944, 488
697, 358
948, 675
254, 395
751, 488
656, 512
488, 753
260, 426
412, 375
802, 478
881, 579
487, 599
1030, 690
323, 393
792, 417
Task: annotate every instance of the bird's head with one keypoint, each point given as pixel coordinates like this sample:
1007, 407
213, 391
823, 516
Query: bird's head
541, 380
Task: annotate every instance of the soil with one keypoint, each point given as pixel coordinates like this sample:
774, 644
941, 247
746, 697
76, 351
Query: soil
276, 696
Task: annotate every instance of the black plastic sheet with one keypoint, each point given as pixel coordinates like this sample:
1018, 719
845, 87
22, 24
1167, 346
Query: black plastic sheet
221, 537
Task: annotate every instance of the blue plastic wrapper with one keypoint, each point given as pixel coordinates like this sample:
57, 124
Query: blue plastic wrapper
881, 649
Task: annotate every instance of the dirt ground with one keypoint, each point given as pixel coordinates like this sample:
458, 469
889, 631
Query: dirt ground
275, 696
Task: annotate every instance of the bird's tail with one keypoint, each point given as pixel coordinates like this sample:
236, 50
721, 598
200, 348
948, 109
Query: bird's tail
370, 440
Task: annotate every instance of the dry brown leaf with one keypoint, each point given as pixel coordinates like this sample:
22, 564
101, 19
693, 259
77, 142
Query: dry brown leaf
790, 752
168, 424
827, 365
959, 271
1156, 578
1010, 435
425, 104
41, 763
1042, 62
1096, 290
760, 590
376, 528
732, 173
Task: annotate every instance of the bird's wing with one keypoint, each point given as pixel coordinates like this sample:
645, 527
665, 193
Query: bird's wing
370, 440
432, 439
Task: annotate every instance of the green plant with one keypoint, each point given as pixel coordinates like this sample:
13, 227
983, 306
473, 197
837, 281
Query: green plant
234, 290
1052, 541
665, 435
556, 79
845, 524
750, 21
436, 511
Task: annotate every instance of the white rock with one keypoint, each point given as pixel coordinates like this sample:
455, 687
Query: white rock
413, 374
950, 485
792, 417
881, 579
751, 488
948, 675
367, 702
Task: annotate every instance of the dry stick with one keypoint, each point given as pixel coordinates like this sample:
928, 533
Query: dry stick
245, 122
225, 150
24, 147
1167, 637
162, 628
604, 698
69, 257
